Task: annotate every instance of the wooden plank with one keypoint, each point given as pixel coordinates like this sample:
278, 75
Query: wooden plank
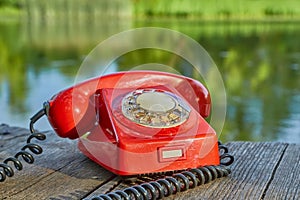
105, 188
32, 174
72, 182
61, 171
286, 179
251, 173
11, 136
261, 171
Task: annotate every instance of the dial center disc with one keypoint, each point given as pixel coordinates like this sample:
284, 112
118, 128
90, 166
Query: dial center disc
156, 102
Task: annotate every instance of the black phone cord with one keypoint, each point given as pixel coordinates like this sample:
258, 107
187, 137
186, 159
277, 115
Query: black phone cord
7, 170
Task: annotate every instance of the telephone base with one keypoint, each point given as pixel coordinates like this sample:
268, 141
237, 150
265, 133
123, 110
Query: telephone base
141, 157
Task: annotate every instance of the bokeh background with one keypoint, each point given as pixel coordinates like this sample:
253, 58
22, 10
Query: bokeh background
255, 44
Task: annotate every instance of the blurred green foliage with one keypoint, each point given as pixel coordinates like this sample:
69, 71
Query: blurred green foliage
225, 9
11, 3
12, 65
214, 9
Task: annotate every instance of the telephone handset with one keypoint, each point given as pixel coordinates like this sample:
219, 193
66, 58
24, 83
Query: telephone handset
71, 110
136, 122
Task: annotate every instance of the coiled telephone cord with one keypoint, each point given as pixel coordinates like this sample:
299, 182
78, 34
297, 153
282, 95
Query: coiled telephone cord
175, 183
7, 170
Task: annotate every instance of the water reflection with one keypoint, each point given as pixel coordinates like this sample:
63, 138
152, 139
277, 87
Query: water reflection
259, 64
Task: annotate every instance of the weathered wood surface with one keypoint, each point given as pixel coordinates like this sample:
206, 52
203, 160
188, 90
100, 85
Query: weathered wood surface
262, 170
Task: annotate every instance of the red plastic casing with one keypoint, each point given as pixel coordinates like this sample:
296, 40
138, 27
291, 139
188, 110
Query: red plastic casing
87, 111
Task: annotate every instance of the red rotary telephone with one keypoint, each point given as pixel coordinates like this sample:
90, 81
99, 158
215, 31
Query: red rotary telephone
138, 122
133, 123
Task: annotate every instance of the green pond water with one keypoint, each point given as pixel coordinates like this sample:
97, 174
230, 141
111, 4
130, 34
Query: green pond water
259, 63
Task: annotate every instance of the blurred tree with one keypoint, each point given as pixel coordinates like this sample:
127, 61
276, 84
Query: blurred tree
10, 3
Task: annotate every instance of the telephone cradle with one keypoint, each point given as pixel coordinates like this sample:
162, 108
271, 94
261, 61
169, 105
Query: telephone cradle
137, 123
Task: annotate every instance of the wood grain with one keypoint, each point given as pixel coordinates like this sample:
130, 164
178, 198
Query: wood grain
61, 172
286, 180
251, 173
262, 170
